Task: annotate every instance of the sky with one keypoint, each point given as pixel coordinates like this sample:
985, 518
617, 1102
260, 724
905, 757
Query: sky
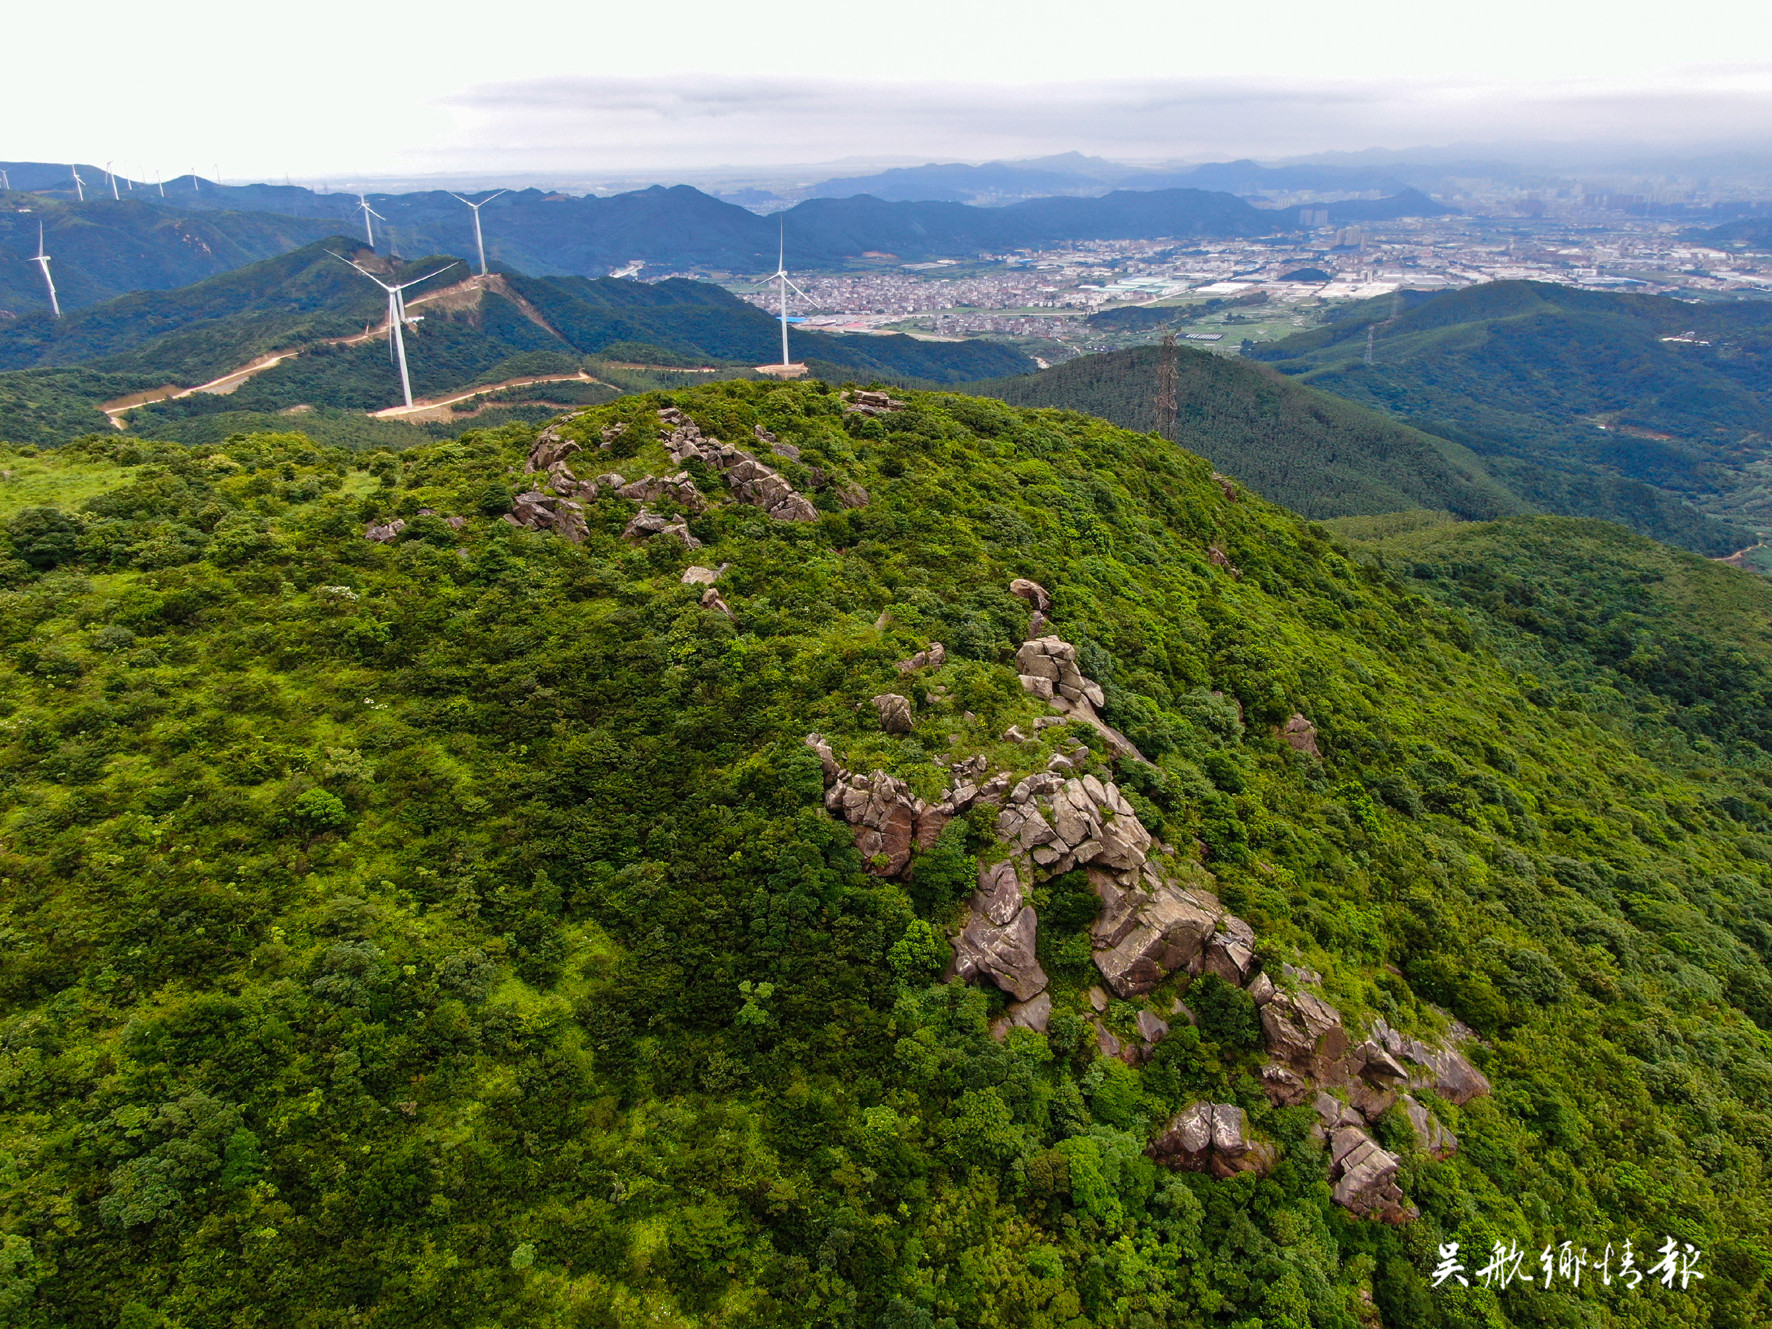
327, 91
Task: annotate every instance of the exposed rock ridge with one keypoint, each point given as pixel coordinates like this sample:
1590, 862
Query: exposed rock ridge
751, 481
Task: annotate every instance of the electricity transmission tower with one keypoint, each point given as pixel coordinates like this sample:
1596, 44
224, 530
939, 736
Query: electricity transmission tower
1164, 402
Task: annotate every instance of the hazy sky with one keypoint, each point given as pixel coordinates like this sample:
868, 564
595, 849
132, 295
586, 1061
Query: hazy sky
326, 90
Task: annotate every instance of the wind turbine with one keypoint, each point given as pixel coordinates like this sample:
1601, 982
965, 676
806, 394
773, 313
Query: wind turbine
160, 183
195, 187
112, 177
477, 237
5, 180
79, 184
396, 315
781, 275
42, 261
368, 212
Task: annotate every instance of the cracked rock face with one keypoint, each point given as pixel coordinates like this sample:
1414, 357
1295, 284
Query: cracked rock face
1048, 669
1213, 1137
895, 713
884, 813
1304, 1032
997, 943
1148, 930
1365, 1177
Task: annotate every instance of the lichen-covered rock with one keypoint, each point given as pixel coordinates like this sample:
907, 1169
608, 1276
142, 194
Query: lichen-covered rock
1433, 1138
861, 402
1152, 1029
895, 713
699, 576
384, 533
758, 485
852, 495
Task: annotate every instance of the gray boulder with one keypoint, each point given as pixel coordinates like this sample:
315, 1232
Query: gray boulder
1146, 932
1433, 1138
1304, 1032
1365, 1177
1214, 1138
895, 713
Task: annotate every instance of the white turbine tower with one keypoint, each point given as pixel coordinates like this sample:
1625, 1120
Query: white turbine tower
112, 177
396, 316
478, 239
368, 212
5, 180
786, 284
42, 261
79, 184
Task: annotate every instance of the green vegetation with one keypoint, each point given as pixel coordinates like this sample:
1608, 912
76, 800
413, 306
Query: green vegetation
1574, 399
309, 301
452, 933
1307, 450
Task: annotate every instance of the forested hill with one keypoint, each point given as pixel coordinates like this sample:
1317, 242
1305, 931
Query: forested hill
1629, 407
457, 925
102, 249
474, 331
1308, 450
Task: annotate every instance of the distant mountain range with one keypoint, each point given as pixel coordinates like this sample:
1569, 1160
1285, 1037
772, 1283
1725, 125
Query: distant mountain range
101, 247
55, 374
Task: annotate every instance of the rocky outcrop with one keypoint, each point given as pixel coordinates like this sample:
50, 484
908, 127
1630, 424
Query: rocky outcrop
540, 511
1440, 1067
678, 488
1069, 823
1034, 1014
868, 403
895, 713
699, 576
1034, 593
851, 495
551, 448
647, 523
751, 481
758, 485
997, 942
1219, 559
1148, 928
1430, 1136
1365, 1177
934, 657
610, 433
883, 811
1214, 1138
1299, 734
1305, 1033
384, 533
710, 599
1048, 669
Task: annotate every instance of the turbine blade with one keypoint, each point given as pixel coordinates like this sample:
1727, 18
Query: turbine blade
416, 280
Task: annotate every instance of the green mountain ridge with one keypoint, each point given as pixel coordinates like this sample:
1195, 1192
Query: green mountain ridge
1302, 448
1589, 403
54, 375
456, 929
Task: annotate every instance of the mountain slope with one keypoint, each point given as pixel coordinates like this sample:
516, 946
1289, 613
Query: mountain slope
102, 249
1317, 455
459, 922
474, 331
1577, 399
